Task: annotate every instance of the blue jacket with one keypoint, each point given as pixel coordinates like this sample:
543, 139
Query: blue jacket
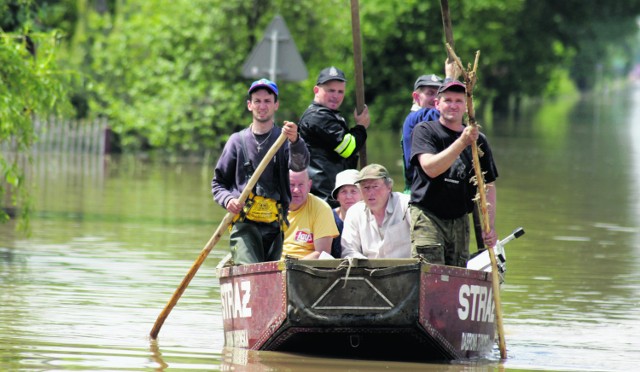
417, 115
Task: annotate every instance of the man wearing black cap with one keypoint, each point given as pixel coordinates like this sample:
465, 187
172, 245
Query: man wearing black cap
257, 232
424, 94
442, 193
333, 146
425, 90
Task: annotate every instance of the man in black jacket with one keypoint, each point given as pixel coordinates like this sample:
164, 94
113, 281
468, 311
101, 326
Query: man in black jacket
333, 146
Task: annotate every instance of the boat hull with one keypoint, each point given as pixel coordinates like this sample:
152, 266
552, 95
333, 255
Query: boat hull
400, 309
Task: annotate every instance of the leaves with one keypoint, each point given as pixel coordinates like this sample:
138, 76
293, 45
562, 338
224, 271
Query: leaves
30, 85
167, 74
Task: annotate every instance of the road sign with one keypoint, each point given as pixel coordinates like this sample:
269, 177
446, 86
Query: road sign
276, 56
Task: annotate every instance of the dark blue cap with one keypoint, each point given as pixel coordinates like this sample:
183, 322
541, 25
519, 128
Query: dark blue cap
264, 83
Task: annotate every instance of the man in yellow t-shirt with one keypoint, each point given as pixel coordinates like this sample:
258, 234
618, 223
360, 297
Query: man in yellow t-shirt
311, 223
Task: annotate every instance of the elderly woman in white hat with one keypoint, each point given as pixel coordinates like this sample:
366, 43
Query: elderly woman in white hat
347, 193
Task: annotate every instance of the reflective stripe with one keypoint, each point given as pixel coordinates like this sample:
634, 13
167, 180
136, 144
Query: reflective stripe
347, 146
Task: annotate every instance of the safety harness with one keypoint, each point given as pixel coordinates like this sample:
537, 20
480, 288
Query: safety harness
258, 208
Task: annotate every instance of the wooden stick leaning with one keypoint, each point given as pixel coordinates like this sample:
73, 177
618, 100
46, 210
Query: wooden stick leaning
357, 61
448, 36
224, 225
470, 78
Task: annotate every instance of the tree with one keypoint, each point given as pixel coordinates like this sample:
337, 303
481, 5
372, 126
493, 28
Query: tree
167, 74
30, 84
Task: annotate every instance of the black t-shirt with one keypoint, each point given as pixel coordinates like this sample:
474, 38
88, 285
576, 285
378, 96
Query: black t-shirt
451, 194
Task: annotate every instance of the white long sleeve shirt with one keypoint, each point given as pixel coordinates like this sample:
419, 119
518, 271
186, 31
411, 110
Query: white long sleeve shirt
363, 238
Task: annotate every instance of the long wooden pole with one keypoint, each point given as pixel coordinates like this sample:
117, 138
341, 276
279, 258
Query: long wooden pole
446, 25
470, 80
224, 225
357, 61
448, 35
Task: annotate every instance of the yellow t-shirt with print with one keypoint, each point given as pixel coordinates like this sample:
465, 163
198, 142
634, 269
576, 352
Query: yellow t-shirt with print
314, 220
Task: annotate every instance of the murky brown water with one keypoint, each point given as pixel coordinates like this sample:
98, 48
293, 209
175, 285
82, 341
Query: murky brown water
113, 238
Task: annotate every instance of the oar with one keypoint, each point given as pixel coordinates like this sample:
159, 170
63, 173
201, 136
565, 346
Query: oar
470, 82
224, 225
357, 62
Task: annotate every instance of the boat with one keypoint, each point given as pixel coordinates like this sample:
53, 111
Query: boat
383, 309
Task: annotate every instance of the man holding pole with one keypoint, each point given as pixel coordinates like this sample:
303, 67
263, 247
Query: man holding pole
443, 192
257, 231
333, 146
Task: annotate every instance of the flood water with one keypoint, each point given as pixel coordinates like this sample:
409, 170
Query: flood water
113, 237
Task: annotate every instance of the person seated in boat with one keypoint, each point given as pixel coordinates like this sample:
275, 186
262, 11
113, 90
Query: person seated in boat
257, 231
311, 224
378, 226
346, 193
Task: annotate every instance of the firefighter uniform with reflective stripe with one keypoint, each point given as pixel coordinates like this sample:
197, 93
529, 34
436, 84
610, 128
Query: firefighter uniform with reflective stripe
333, 146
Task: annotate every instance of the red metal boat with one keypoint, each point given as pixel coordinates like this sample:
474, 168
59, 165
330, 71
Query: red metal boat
401, 309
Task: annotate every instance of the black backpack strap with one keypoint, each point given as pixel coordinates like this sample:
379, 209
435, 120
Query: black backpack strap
248, 166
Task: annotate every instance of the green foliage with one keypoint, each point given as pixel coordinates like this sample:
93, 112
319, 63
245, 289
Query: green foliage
401, 40
162, 75
30, 84
167, 74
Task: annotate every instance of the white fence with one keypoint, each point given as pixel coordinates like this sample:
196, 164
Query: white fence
71, 136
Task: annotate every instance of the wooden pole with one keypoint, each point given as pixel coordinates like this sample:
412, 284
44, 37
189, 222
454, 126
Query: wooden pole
481, 198
357, 61
448, 35
470, 81
224, 225
446, 24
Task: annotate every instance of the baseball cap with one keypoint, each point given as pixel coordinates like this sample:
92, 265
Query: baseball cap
330, 73
264, 83
454, 86
372, 172
428, 81
346, 177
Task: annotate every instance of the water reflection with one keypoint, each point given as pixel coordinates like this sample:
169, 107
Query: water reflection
89, 303
573, 281
156, 356
634, 154
234, 359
